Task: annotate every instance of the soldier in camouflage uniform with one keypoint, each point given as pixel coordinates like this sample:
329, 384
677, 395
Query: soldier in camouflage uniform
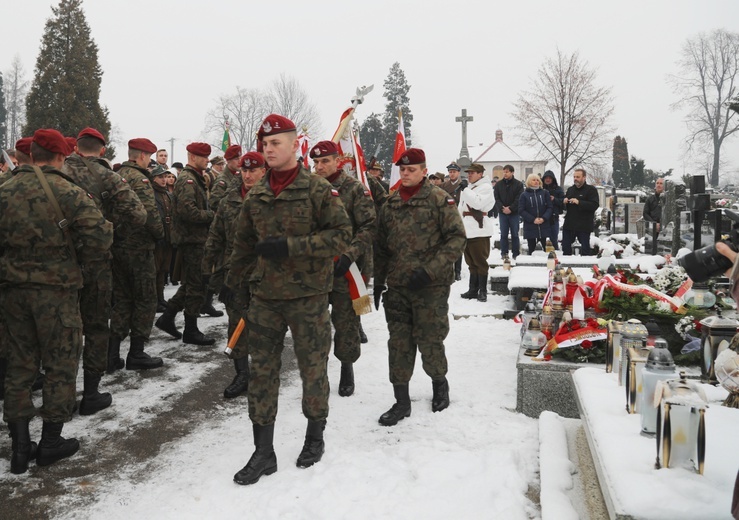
134, 271
192, 218
361, 211
220, 245
163, 249
40, 269
119, 205
420, 234
290, 228
228, 179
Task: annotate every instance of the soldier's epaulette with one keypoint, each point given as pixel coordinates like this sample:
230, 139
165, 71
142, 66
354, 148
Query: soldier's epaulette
189, 181
334, 192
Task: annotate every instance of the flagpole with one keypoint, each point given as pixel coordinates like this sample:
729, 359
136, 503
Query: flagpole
357, 100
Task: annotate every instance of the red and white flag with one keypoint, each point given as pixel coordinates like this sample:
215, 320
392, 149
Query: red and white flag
397, 152
303, 148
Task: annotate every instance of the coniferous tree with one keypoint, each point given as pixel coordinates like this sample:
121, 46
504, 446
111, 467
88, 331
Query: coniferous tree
621, 166
3, 116
372, 137
396, 94
65, 93
637, 171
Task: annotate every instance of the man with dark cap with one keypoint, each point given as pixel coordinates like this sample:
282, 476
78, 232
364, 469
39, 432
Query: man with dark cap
134, 270
291, 227
420, 234
163, 248
361, 210
379, 174
474, 204
454, 186
192, 218
218, 247
119, 205
43, 246
507, 193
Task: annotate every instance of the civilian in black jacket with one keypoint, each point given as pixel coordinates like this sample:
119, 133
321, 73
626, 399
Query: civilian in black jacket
653, 205
556, 195
507, 191
581, 201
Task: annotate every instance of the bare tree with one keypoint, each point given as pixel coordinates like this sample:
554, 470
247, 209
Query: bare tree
244, 111
15, 89
706, 84
288, 98
566, 115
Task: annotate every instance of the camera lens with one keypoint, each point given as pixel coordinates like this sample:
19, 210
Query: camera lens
704, 263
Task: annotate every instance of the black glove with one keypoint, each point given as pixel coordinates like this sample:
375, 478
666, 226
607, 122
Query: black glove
272, 247
462, 186
226, 295
341, 266
378, 290
419, 280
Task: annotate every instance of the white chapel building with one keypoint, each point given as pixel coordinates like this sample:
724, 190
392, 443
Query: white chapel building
499, 154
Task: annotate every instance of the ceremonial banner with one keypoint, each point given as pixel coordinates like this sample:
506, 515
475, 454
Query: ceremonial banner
226, 138
397, 152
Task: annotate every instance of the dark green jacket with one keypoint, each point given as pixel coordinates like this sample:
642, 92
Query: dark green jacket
192, 213
140, 237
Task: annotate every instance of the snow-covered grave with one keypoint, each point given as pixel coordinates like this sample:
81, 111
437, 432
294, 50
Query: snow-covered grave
625, 459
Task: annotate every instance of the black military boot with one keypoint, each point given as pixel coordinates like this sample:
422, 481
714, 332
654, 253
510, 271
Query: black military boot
3, 371
314, 446
92, 400
115, 362
346, 382
161, 306
240, 384
193, 335
165, 322
440, 400
208, 308
362, 335
400, 410
53, 446
24, 450
483, 283
137, 359
263, 461
474, 288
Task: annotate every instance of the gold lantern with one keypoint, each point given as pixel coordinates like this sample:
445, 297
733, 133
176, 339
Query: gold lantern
633, 335
636, 359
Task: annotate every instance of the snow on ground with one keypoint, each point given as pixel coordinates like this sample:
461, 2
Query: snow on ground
477, 459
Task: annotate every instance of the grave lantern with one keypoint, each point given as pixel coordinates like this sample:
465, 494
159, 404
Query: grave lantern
699, 296
546, 319
681, 424
660, 367
576, 247
551, 260
534, 339
636, 358
633, 335
558, 291
716, 335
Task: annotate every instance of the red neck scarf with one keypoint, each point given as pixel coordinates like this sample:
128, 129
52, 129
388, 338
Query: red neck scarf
407, 193
244, 191
333, 176
278, 181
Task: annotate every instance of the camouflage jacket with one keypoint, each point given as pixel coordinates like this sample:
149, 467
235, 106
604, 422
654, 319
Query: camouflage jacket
34, 248
361, 211
426, 231
221, 233
225, 181
379, 193
192, 213
140, 237
112, 195
310, 214
164, 201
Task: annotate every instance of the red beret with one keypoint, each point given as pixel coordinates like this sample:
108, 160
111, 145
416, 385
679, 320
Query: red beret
232, 152
143, 144
91, 132
201, 149
252, 160
411, 156
23, 145
275, 124
71, 143
51, 140
324, 149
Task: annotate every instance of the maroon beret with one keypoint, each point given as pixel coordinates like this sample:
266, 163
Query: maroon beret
201, 149
23, 145
324, 149
91, 132
143, 144
232, 152
275, 124
411, 156
252, 160
51, 140
71, 143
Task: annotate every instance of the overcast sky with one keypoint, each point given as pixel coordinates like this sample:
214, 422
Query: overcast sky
165, 62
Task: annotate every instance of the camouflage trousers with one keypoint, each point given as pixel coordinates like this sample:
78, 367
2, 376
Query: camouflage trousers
95, 298
417, 320
134, 293
347, 347
236, 310
217, 277
309, 323
190, 296
162, 261
44, 329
